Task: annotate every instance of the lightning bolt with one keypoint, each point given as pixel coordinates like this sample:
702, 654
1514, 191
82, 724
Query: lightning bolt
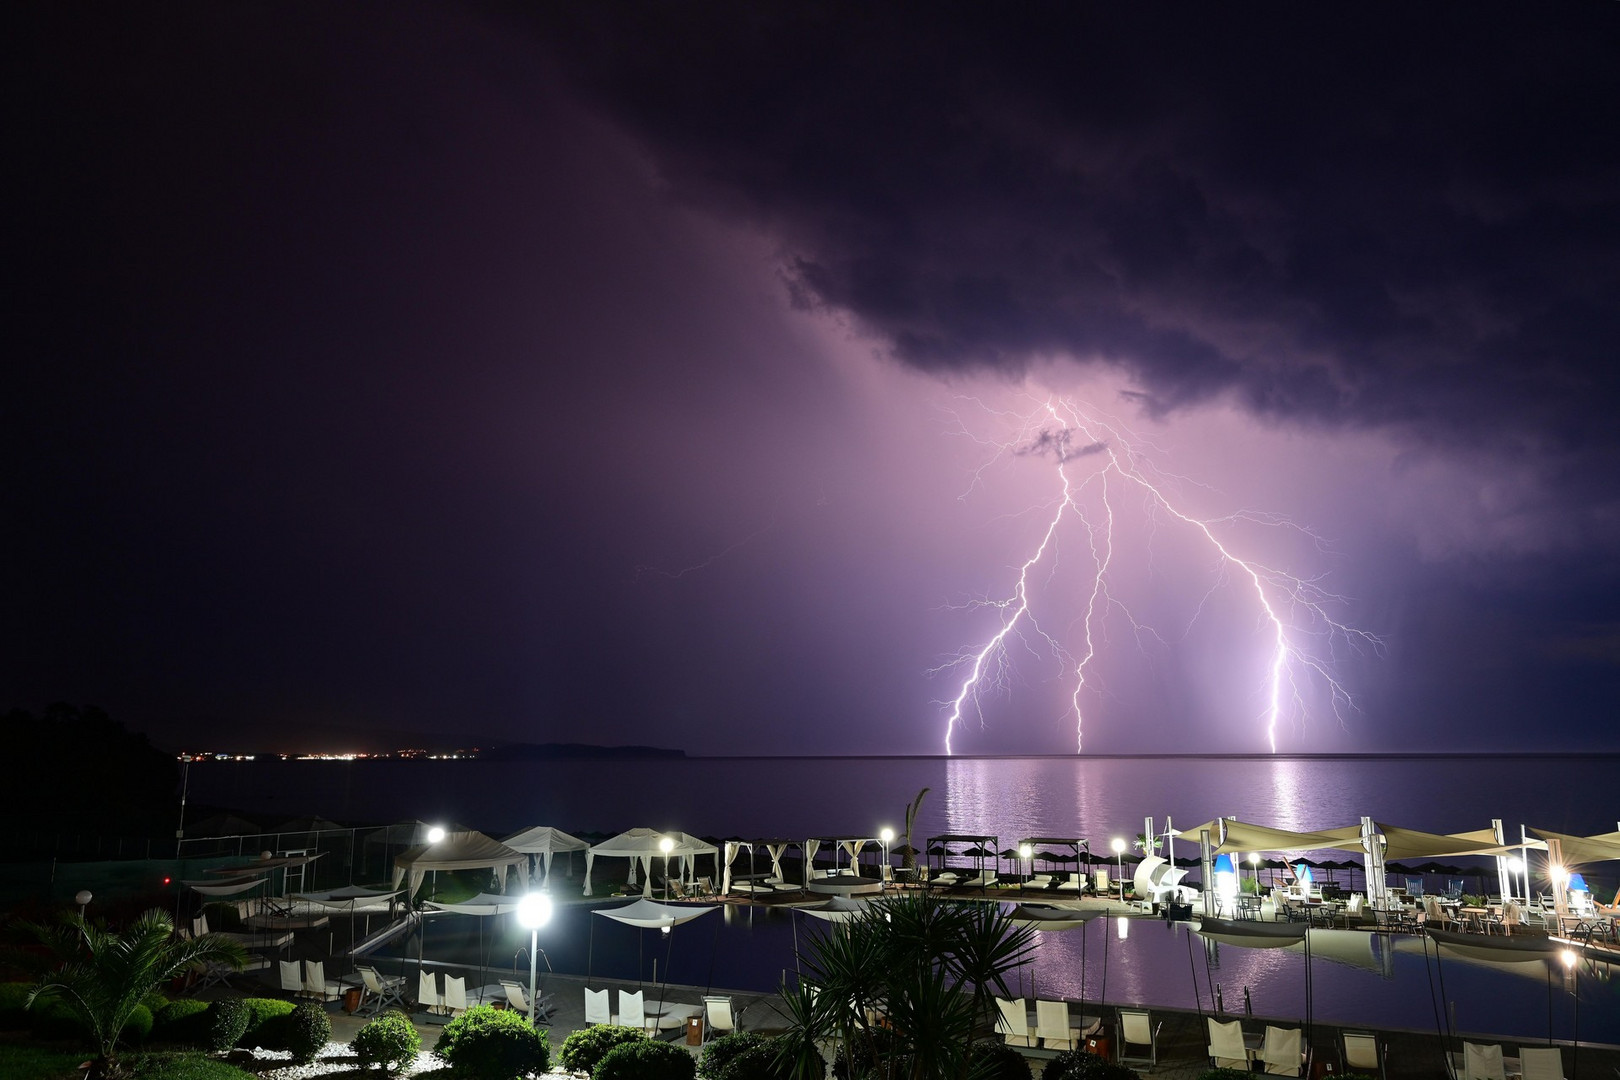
1302, 634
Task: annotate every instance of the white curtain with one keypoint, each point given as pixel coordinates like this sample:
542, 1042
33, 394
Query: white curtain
810, 849
725, 880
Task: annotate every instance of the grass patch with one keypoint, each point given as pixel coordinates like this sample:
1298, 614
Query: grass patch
28, 1061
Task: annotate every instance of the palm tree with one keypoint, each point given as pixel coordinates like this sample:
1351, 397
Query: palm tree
930, 966
102, 976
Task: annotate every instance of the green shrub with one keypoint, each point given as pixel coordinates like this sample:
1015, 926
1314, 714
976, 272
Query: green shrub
191, 1066
389, 1042
183, 1022
155, 1001
585, 1047
1084, 1065
648, 1059
267, 1023
308, 1031
225, 1023
995, 1060
13, 1016
720, 1053
53, 1021
138, 1028
1226, 1074
485, 1043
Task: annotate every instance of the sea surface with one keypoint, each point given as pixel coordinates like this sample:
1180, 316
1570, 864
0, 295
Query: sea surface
1349, 978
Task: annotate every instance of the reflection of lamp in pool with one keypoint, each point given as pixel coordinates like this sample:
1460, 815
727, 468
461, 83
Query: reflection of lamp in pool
1124, 927
1119, 854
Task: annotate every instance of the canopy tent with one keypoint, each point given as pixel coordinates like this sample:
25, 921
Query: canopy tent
978, 848
775, 847
643, 846
545, 841
460, 851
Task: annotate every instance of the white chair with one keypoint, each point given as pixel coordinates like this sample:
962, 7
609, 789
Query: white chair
1039, 881
632, 1011
1482, 1061
1283, 1051
1363, 1054
1226, 1047
980, 881
518, 1000
1013, 1023
718, 1018
455, 995
1136, 1029
385, 990
596, 1007
292, 978
315, 984
427, 992
1052, 1025
199, 925
1071, 883
1541, 1062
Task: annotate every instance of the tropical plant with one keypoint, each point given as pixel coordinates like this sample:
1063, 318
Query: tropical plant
389, 1042
995, 1060
102, 976
902, 988
585, 1047
485, 1043
649, 1059
1084, 1065
719, 1053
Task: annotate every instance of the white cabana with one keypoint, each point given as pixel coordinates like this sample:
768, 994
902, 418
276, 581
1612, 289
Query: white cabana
460, 851
644, 846
545, 841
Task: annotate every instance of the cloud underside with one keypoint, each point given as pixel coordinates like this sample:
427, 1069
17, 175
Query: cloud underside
1398, 219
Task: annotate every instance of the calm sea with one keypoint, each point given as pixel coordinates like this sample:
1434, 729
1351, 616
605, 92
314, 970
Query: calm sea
1353, 977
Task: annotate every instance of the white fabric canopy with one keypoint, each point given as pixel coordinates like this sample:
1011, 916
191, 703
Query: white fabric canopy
226, 888
346, 897
643, 846
839, 909
460, 851
545, 841
649, 914
482, 904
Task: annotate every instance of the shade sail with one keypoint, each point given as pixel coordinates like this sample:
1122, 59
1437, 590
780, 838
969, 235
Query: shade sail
1046, 917
346, 897
650, 913
1403, 844
839, 909
1585, 849
1244, 836
226, 888
482, 904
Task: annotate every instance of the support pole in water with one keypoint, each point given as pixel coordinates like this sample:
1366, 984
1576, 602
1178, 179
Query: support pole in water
1206, 858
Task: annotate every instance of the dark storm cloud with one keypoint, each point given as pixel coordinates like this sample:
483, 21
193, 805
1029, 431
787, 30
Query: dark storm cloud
1394, 215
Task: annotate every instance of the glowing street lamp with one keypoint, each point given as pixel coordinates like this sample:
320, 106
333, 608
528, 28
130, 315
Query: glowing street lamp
534, 911
666, 845
1254, 862
886, 835
1119, 854
435, 834
1027, 853
82, 898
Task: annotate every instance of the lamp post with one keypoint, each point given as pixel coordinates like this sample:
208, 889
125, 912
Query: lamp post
1027, 853
435, 834
1254, 864
82, 898
666, 845
1119, 854
534, 911
886, 835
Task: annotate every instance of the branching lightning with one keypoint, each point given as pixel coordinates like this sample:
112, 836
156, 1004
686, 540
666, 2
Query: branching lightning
1097, 456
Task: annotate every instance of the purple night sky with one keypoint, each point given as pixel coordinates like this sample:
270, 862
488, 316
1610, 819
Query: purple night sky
637, 373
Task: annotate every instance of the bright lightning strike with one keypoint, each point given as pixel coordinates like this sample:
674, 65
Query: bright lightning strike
1097, 460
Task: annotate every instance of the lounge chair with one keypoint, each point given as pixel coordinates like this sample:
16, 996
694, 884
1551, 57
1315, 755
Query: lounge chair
385, 990
292, 978
1352, 909
596, 1007
632, 1010
783, 885
315, 984
1052, 1025
1482, 1061
1013, 1022
1071, 883
427, 992
1226, 1047
1039, 881
1363, 1053
1414, 887
1136, 1028
1454, 888
455, 995
718, 1017
945, 879
980, 881
518, 1000
1541, 1062
1283, 1051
